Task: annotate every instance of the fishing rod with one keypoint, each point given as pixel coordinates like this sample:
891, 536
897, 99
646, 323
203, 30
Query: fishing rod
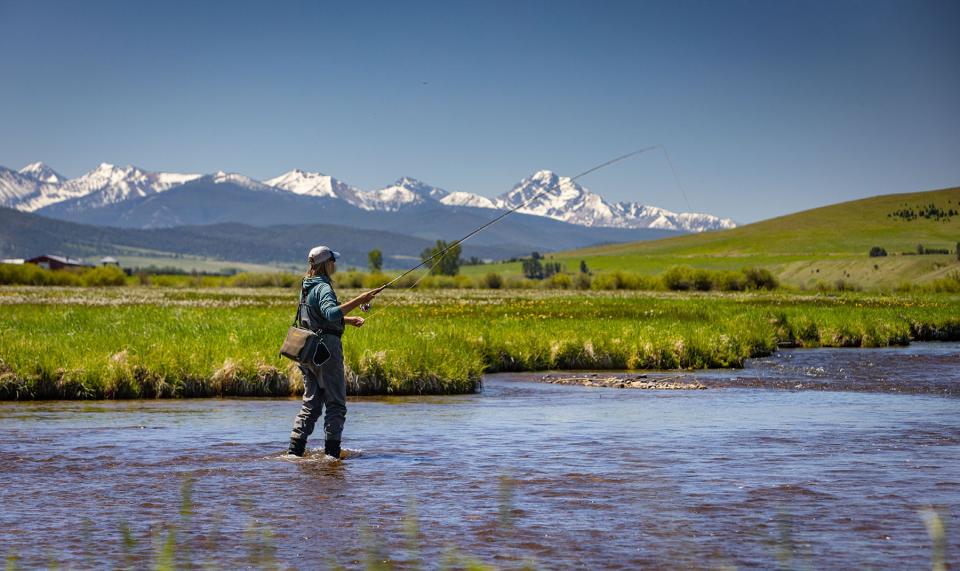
439, 254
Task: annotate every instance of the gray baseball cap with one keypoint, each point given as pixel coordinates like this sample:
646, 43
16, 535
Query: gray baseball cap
321, 254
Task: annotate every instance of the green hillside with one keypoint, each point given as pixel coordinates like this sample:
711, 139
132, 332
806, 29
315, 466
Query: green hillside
823, 244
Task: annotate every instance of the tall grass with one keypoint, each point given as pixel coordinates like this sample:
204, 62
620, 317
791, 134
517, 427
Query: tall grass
89, 343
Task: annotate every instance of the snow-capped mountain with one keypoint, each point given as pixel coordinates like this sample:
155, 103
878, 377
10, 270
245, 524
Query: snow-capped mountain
404, 192
109, 183
544, 193
42, 172
561, 198
21, 190
16, 187
238, 179
316, 184
459, 198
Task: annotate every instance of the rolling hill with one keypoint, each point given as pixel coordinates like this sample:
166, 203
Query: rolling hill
822, 244
24, 235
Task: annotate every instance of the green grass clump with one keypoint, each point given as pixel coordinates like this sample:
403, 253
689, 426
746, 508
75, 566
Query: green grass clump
154, 343
30, 274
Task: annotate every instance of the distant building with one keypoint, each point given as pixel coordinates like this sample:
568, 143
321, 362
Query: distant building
109, 261
15, 261
48, 262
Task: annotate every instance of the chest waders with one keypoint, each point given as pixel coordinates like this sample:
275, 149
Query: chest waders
324, 385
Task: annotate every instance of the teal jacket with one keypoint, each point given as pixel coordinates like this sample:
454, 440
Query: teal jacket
323, 308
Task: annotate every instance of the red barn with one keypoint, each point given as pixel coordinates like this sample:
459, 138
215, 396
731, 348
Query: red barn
57, 262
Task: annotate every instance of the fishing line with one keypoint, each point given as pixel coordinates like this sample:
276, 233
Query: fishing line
439, 255
676, 179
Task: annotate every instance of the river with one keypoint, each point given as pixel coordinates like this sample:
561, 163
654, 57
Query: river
524, 472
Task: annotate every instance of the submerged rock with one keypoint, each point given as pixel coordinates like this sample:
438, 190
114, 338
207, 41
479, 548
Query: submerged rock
625, 381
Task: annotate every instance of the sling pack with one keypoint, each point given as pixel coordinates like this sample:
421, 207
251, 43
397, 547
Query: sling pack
301, 344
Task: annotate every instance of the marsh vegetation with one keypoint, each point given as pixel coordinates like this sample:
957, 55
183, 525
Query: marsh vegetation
82, 343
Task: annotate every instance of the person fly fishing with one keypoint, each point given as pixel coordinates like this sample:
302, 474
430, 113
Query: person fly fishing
324, 384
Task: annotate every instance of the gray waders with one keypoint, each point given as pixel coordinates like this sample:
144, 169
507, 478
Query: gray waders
323, 385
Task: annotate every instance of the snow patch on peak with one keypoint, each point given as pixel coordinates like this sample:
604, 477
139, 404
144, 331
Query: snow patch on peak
40, 171
403, 192
547, 194
420, 188
109, 183
221, 177
315, 184
545, 176
459, 198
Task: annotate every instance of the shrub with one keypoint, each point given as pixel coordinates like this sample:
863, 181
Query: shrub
559, 281
582, 281
948, 284
31, 274
730, 281
702, 280
371, 281
348, 279
438, 282
678, 278
493, 280
760, 278
167, 281
104, 276
261, 279
604, 281
514, 282
843, 285
877, 252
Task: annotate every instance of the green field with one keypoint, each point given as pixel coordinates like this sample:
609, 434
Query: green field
147, 342
820, 245
189, 263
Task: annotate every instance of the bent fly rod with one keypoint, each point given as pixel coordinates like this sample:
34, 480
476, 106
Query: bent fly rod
484, 226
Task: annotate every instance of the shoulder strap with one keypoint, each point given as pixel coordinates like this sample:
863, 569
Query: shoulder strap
296, 318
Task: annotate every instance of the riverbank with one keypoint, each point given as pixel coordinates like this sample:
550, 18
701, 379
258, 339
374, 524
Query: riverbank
923, 368
90, 343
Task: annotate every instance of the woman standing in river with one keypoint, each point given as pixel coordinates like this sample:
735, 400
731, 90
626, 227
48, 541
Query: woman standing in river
324, 384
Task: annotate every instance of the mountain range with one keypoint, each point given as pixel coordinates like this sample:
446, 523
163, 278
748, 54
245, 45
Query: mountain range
128, 196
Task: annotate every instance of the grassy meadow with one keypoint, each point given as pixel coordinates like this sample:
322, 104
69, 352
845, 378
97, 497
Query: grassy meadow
811, 249
137, 342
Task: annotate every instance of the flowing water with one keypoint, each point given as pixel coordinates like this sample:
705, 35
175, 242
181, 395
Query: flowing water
557, 476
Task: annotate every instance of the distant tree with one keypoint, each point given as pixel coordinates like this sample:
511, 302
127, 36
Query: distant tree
447, 264
375, 260
877, 252
583, 267
958, 251
532, 268
920, 249
536, 256
552, 268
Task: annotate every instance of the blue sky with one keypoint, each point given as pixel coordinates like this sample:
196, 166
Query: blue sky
765, 107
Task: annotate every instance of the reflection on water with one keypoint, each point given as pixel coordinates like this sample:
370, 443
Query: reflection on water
929, 368
563, 476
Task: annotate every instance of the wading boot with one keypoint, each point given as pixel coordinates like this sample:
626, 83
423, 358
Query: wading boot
332, 448
297, 447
